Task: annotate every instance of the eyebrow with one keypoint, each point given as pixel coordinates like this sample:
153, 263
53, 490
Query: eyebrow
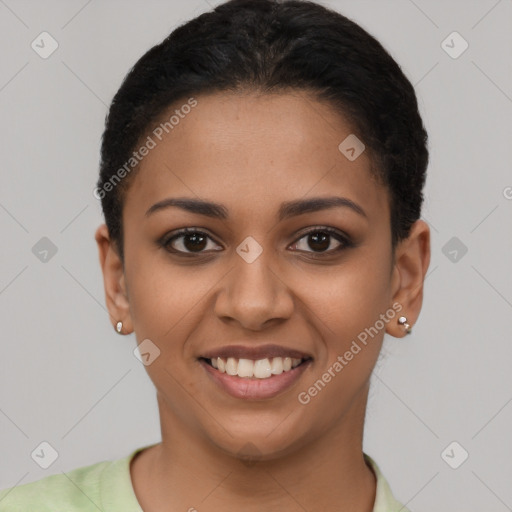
286, 210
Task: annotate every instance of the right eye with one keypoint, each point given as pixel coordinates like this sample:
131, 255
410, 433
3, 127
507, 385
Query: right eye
187, 241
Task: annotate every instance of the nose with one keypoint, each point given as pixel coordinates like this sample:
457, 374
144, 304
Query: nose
254, 295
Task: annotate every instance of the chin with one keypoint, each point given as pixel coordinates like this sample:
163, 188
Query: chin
255, 443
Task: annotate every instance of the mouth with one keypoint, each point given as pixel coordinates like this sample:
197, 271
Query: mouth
254, 379
260, 369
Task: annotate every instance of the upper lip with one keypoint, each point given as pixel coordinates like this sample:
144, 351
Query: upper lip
255, 352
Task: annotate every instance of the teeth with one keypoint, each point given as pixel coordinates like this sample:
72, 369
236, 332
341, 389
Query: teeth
295, 362
260, 369
231, 366
245, 368
277, 366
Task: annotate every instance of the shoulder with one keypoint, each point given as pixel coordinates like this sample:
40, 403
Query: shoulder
384, 499
85, 489
77, 490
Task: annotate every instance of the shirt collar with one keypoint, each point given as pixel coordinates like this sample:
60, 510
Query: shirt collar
384, 499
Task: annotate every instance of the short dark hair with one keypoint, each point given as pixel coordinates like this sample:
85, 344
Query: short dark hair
274, 46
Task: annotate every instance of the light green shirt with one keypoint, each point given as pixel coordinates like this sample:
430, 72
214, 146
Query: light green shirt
107, 487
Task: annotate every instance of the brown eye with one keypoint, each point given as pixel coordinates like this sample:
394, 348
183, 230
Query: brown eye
320, 240
187, 241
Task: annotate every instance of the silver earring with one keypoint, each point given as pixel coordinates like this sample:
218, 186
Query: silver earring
403, 321
119, 327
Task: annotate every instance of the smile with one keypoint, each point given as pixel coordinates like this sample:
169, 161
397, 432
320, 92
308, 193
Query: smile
260, 369
255, 379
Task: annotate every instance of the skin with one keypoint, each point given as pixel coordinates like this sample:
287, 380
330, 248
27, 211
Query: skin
250, 153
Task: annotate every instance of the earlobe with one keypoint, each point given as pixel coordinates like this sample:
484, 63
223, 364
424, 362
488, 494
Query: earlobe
402, 320
411, 263
114, 281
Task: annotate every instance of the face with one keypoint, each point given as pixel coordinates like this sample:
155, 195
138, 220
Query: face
258, 270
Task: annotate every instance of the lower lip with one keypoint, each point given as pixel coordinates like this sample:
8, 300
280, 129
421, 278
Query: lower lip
253, 388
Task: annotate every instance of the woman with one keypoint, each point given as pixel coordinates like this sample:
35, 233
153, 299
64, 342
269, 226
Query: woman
261, 179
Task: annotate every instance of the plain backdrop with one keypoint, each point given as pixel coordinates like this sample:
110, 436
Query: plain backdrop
68, 379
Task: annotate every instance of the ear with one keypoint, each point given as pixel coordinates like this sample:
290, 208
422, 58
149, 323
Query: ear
114, 280
412, 258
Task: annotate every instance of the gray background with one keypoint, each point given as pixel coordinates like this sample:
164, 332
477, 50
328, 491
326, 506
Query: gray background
67, 378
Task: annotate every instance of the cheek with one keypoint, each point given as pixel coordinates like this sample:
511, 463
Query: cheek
166, 307
166, 302
348, 313
349, 304
350, 297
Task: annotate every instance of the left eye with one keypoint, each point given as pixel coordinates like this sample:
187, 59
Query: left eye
321, 238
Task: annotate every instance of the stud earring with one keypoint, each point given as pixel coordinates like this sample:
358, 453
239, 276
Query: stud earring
119, 327
403, 321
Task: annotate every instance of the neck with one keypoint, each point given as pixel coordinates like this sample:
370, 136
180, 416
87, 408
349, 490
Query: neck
187, 471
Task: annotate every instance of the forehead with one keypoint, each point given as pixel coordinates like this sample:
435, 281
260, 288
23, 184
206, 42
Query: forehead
253, 151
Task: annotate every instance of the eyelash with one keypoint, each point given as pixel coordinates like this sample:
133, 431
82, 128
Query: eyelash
166, 241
